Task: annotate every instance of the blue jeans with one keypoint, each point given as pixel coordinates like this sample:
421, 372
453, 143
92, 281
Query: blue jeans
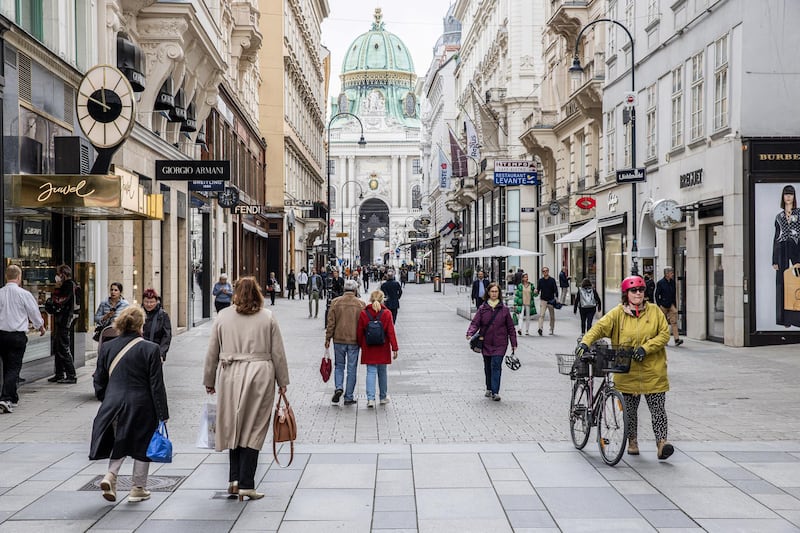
380, 370
493, 368
345, 354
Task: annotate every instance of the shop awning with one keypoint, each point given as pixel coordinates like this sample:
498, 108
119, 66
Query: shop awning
580, 233
254, 229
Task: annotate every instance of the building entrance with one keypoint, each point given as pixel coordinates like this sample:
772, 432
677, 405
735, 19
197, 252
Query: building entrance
373, 231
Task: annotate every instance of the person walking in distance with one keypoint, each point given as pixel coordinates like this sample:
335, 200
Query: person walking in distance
314, 292
563, 283
17, 308
479, 289
393, 292
129, 381
640, 325
493, 321
667, 301
650, 288
342, 328
272, 287
511, 287
524, 302
245, 361
375, 354
365, 277
63, 318
291, 284
588, 302
223, 291
547, 292
157, 325
302, 282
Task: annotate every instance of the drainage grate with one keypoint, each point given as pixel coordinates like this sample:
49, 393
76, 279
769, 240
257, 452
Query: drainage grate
125, 483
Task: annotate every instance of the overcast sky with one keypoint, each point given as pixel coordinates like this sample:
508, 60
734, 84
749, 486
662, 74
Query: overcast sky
418, 23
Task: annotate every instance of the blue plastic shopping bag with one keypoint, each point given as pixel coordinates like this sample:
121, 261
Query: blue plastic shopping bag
160, 448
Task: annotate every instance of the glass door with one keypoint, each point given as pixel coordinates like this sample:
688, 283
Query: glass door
715, 276
679, 264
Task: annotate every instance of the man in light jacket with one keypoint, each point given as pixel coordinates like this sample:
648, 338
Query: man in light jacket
342, 327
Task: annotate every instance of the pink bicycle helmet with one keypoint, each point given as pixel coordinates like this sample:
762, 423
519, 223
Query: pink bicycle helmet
630, 282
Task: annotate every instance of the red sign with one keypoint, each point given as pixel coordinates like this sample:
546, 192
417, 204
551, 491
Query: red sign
586, 203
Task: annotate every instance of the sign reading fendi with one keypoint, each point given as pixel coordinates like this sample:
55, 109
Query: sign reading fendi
193, 170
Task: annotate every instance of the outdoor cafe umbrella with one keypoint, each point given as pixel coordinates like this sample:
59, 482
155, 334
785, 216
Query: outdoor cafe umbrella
498, 251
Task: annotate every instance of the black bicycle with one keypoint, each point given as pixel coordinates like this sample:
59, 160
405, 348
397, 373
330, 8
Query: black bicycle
604, 407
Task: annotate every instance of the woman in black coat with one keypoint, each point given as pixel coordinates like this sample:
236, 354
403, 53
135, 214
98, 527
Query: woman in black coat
157, 326
134, 399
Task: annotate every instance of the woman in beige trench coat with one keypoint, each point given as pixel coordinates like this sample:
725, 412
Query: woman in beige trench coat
245, 360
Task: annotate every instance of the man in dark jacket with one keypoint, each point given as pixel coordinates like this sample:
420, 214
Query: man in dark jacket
63, 318
547, 290
649, 288
563, 283
666, 298
393, 291
479, 288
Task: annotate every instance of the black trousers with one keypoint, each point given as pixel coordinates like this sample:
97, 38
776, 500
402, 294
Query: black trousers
301, 289
290, 293
12, 348
64, 363
221, 305
587, 314
394, 315
244, 462
366, 283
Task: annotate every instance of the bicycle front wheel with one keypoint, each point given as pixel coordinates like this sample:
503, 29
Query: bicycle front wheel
579, 421
612, 427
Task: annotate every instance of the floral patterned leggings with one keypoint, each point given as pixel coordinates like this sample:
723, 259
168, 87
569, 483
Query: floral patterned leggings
658, 412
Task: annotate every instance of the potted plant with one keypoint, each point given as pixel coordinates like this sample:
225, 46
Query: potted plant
454, 277
467, 276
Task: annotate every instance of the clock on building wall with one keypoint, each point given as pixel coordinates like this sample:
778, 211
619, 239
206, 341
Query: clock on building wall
554, 208
373, 182
106, 106
666, 214
228, 198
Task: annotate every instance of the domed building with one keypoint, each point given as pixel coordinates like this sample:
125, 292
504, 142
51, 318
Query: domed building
375, 196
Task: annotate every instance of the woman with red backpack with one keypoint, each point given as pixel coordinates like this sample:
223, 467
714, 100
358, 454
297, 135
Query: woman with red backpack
378, 342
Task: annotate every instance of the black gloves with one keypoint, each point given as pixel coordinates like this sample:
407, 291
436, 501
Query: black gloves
581, 349
639, 354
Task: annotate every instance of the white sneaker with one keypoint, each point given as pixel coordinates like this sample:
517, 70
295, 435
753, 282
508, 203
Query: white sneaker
371, 404
138, 494
5, 407
384, 401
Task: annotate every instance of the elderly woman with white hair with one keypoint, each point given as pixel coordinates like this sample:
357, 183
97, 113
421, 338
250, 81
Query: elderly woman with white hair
341, 327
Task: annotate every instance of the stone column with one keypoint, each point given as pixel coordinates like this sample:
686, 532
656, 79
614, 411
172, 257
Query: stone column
404, 182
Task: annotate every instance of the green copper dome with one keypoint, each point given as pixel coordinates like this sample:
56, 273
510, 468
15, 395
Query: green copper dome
377, 50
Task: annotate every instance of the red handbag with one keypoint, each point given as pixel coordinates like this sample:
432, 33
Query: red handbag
325, 367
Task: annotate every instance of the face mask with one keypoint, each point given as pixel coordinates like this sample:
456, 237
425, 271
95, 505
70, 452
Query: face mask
58, 278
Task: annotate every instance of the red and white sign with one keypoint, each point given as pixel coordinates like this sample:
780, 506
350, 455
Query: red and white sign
586, 203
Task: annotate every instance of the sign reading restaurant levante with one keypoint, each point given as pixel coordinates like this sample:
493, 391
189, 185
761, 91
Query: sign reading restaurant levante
167, 170
515, 173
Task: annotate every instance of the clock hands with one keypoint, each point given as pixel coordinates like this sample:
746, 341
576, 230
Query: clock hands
102, 104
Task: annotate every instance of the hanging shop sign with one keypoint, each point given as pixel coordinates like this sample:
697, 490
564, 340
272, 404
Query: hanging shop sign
193, 170
586, 203
247, 209
631, 175
515, 173
207, 185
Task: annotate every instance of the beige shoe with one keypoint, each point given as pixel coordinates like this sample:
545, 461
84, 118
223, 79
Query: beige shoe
386, 400
250, 494
665, 449
633, 446
138, 494
233, 487
109, 487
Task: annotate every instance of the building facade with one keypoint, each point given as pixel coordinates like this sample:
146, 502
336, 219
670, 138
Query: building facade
292, 120
373, 184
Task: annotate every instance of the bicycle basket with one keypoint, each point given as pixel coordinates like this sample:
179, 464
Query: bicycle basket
615, 359
565, 363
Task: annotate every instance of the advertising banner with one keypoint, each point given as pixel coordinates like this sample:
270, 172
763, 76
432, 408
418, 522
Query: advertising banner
777, 256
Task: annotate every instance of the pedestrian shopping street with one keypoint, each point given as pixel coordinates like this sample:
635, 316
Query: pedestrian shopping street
440, 456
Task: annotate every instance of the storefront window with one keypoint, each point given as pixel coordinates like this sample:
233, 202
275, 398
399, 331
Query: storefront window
614, 261
716, 283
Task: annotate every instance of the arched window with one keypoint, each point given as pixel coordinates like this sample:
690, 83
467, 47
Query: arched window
416, 197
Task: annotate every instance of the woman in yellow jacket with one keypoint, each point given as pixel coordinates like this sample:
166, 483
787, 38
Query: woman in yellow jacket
637, 323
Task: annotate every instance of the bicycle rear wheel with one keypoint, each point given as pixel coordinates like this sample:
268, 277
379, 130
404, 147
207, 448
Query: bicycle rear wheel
579, 423
612, 427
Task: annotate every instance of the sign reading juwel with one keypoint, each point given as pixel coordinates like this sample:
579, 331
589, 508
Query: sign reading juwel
167, 170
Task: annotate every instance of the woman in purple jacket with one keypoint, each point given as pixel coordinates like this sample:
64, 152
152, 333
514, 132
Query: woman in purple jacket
494, 321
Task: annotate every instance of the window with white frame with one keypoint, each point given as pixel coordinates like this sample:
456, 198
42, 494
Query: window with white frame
629, 12
611, 142
677, 108
651, 122
721, 83
332, 167
652, 10
697, 124
612, 28
626, 145
416, 166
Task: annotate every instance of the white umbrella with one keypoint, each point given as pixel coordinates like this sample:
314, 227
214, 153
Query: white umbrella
499, 251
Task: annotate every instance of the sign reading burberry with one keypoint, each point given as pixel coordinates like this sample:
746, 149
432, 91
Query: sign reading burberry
193, 170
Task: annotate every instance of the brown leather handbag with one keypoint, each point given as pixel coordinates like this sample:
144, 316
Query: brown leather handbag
284, 427
791, 288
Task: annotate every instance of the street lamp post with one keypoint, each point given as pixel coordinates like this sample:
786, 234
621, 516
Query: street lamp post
576, 71
362, 143
341, 208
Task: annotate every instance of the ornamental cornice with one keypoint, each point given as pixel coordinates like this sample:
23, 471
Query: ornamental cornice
306, 91
311, 47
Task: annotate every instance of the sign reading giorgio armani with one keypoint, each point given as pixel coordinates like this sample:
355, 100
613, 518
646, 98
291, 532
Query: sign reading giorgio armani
193, 170
774, 155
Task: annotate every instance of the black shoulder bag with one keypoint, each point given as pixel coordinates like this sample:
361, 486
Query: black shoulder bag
476, 341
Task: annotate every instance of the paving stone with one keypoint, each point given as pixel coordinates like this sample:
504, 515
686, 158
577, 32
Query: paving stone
756, 486
458, 503
349, 505
253, 518
650, 501
215, 477
734, 473
395, 503
778, 502
530, 519
521, 502
576, 525
559, 470
779, 474
507, 474
662, 518
335, 476
520, 488
316, 526
37, 526
716, 502
449, 470
197, 505
65, 506
761, 457
582, 502
121, 521
195, 526
723, 525
462, 525
496, 461
394, 520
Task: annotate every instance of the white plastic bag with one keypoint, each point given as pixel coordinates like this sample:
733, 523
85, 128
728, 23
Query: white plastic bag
206, 436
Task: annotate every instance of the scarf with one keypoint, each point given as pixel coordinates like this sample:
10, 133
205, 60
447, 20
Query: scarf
493, 303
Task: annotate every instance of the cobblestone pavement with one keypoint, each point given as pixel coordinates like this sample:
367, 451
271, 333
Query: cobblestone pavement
439, 457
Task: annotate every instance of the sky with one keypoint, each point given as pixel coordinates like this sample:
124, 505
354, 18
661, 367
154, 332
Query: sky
418, 23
